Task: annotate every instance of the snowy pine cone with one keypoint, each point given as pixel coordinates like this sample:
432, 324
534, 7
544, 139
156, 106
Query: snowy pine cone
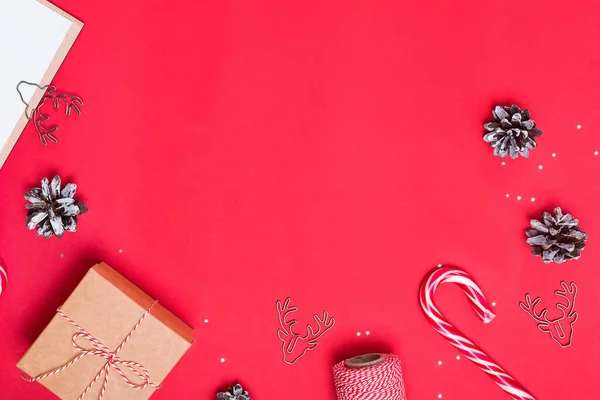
234, 393
556, 238
53, 211
512, 132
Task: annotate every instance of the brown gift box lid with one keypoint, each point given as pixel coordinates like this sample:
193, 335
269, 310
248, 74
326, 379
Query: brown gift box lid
107, 306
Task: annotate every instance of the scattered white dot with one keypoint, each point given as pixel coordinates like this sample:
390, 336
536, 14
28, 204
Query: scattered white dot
540, 167
368, 332
458, 357
206, 321
439, 396
120, 250
578, 126
553, 154
507, 195
439, 265
493, 304
222, 360
595, 153
62, 256
440, 363
503, 163
533, 199
518, 197
357, 333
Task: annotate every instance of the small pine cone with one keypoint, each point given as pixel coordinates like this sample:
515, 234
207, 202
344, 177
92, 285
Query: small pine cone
556, 238
53, 211
234, 393
512, 132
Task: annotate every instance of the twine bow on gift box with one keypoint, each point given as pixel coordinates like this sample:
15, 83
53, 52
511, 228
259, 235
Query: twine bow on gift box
100, 350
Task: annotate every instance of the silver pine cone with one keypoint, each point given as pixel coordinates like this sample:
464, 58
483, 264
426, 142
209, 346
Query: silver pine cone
51, 210
556, 238
234, 393
512, 132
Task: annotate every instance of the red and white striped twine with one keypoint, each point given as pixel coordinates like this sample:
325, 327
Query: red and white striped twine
99, 350
481, 306
378, 382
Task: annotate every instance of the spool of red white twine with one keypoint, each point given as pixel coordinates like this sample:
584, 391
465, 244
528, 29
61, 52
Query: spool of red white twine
369, 377
482, 307
3, 277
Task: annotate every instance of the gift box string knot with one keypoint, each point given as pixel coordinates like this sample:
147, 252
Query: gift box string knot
112, 358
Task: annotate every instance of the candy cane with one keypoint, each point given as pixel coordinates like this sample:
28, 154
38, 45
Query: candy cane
482, 307
3, 278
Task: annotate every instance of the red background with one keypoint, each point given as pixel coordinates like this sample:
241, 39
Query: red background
242, 152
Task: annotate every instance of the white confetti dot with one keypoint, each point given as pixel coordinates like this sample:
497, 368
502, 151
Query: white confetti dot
493, 304
439, 396
595, 153
533, 199
578, 126
62, 256
503, 163
439, 265
458, 357
440, 363
518, 197
222, 360
357, 333
507, 195
540, 167
206, 321
120, 250
553, 154
368, 332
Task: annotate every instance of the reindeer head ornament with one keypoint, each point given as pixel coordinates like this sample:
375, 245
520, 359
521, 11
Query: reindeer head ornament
560, 329
71, 103
294, 346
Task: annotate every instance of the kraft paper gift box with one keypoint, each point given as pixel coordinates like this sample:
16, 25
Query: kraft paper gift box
107, 307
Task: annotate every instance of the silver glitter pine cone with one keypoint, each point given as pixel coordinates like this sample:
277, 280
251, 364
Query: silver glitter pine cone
557, 238
234, 393
512, 133
53, 211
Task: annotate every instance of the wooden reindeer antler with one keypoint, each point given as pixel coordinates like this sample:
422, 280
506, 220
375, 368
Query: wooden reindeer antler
529, 307
569, 294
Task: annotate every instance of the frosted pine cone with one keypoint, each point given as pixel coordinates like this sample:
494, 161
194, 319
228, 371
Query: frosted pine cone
512, 132
53, 211
556, 238
234, 393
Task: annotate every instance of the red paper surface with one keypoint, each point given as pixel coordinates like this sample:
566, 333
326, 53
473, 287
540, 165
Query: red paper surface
242, 152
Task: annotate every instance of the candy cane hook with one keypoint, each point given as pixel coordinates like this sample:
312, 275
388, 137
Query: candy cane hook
482, 307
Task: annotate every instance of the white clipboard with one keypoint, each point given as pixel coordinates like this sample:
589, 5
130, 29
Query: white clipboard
35, 37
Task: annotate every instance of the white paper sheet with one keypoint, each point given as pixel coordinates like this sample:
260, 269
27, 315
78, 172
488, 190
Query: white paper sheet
30, 36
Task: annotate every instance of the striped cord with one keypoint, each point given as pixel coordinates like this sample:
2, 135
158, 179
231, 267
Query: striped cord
378, 382
100, 350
